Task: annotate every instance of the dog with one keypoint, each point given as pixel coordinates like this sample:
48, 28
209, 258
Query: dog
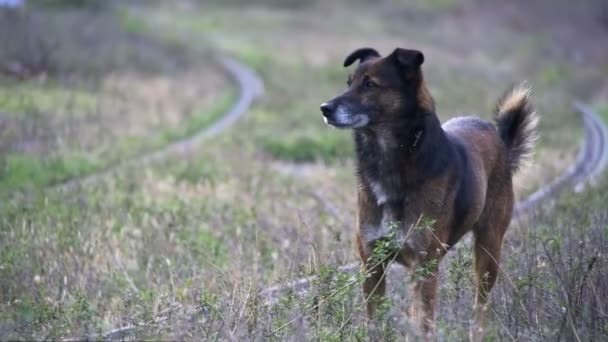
457, 177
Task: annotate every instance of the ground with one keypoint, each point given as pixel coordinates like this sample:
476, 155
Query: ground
182, 246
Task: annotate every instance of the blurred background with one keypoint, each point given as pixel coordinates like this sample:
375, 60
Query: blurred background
180, 245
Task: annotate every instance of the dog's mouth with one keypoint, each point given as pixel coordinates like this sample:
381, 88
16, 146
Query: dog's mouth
358, 122
337, 124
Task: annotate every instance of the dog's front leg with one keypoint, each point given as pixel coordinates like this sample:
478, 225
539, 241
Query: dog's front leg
423, 295
374, 285
371, 229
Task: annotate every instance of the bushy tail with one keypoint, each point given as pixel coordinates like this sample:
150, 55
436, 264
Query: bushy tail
516, 121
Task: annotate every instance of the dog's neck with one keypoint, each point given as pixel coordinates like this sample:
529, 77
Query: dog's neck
402, 154
398, 137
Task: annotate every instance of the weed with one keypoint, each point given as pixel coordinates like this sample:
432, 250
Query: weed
387, 246
23, 171
307, 148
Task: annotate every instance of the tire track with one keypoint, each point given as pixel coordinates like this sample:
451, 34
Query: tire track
250, 87
591, 161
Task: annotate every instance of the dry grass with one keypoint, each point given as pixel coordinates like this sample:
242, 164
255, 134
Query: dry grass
181, 248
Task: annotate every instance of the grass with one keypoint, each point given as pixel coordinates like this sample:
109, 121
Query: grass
603, 112
308, 147
69, 3
19, 98
437, 5
25, 172
149, 248
22, 171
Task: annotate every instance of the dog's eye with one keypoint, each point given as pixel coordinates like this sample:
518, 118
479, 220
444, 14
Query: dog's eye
370, 84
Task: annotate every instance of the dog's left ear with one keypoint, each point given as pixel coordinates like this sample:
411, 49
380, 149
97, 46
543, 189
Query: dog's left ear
362, 55
407, 58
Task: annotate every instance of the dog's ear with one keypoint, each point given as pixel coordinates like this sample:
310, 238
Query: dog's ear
407, 58
362, 55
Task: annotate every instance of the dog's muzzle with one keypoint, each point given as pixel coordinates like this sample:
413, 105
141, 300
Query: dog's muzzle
339, 116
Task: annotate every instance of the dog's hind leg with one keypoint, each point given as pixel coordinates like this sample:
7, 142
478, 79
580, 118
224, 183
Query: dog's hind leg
488, 244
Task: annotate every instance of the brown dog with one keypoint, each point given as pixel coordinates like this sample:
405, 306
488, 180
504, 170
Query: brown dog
411, 168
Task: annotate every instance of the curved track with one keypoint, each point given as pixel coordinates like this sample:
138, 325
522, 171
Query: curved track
250, 87
591, 160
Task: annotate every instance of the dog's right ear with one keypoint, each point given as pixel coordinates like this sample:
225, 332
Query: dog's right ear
362, 55
407, 58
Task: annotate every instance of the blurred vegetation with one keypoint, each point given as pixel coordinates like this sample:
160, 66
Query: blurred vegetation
17, 98
59, 98
69, 3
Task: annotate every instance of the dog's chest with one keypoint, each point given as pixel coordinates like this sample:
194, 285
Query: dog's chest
378, 191
389, 206
385, 182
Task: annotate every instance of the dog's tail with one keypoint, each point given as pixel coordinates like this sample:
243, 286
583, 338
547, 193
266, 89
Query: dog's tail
516, 121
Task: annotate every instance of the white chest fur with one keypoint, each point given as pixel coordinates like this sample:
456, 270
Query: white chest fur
379, 192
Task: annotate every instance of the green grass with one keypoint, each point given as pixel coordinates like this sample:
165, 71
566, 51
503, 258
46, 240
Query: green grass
553, 73
298, 147
19, 98
603, 111
27, 172
131, 23
69, 3
437, 5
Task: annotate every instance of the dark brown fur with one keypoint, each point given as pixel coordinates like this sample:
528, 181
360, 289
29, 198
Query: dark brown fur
410, 168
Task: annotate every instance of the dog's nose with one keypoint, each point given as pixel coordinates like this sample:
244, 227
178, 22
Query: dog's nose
327, 108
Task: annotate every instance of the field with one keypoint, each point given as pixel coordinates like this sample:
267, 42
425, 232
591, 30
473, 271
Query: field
179, 249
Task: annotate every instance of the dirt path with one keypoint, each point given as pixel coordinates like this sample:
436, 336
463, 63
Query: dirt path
250, 87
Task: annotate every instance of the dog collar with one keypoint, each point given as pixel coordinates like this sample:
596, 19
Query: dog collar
417, 136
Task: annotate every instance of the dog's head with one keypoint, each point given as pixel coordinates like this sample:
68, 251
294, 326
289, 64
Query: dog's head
378, 91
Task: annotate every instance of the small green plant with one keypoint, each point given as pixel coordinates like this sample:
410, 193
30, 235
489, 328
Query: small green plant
425, 269
460, 274
426, 223
387, 246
